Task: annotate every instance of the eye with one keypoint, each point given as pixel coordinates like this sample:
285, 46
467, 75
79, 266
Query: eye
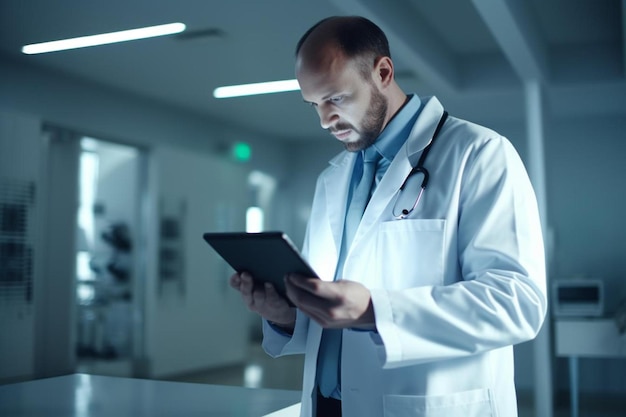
336, 99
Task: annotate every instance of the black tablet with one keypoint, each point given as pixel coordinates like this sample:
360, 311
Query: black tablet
267, 256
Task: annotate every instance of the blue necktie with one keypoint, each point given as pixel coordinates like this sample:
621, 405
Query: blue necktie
360, 197
328, 367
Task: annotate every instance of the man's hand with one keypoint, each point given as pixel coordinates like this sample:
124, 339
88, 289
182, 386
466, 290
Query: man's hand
264, 300
336, 304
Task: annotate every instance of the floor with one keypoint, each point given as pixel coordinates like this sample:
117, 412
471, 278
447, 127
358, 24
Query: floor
261, 371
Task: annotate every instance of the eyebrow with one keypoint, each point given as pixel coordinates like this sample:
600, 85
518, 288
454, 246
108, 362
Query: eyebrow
333, 94
325, 98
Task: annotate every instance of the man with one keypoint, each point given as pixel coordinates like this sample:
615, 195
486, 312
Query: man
418, 309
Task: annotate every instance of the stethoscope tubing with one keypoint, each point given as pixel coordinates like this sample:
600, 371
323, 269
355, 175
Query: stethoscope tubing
419, 168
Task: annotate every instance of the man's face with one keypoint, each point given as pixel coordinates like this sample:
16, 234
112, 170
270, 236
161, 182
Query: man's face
349, 106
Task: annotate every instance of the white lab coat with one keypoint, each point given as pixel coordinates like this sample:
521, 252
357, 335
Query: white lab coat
453, 286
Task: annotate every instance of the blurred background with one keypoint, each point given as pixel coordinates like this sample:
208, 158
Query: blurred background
115, 159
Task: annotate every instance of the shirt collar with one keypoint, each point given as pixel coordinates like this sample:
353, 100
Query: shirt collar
397, 130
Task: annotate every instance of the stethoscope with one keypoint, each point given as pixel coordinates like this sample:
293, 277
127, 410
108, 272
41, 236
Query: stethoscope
419, 168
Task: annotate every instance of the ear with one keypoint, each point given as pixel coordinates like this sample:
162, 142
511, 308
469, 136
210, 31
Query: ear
383, 68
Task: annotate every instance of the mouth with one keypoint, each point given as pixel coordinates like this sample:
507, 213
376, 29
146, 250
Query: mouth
342, 134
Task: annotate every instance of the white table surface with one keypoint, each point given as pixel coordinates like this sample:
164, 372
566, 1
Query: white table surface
81, 395
578, 337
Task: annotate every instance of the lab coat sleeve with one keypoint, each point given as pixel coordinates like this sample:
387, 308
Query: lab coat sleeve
499, 298
277, 343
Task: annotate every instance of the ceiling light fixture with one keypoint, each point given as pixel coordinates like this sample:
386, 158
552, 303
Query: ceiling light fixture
256, 88
104, 38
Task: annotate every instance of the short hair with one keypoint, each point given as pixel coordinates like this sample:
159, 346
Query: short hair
356, 36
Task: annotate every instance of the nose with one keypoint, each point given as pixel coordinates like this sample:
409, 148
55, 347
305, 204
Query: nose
327, 115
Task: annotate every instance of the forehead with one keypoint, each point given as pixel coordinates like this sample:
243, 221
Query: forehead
325, 74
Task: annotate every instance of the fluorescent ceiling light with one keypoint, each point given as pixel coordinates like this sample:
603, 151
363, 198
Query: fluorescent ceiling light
256, 88
104, 38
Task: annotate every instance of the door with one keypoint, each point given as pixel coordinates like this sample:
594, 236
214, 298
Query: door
109, 301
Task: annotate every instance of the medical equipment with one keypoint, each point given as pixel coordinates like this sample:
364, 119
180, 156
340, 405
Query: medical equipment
419, 168
578, 297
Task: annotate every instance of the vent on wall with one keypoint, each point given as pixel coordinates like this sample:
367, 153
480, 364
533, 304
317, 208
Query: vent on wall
17, 199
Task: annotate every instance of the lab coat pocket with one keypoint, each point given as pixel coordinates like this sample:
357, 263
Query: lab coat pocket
411, 253
474, 403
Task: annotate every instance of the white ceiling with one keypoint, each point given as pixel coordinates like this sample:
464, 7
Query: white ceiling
473, 54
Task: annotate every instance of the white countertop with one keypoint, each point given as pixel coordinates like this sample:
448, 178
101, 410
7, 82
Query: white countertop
82, 395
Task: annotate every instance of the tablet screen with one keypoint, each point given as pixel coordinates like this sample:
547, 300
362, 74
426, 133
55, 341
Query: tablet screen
267, 256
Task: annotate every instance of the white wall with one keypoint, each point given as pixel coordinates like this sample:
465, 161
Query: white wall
585, 172
306, 162
187, 164
104, 113
204, 323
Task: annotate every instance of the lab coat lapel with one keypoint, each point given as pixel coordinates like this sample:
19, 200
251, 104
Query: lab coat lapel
420, 136
336, 185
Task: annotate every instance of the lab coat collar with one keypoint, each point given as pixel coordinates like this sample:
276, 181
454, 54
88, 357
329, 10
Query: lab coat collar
424, 127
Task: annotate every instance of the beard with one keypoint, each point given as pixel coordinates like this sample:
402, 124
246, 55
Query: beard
371, 125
